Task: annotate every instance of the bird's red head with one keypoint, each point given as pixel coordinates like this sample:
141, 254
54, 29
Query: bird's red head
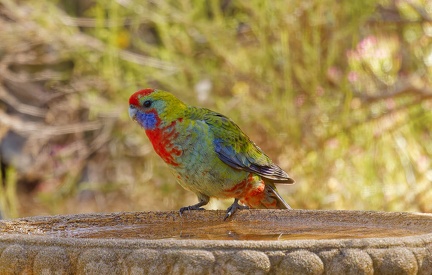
134, 98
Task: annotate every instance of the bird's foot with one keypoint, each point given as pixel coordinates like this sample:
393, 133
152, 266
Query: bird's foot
233, 208
189, 208
203, 200
192, 207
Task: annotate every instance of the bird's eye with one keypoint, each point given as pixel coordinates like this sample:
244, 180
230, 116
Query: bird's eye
147, 103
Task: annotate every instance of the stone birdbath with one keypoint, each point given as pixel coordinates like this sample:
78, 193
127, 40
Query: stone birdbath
200, 242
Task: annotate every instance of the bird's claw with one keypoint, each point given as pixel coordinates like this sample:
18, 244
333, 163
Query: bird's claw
228, 214
189, 208
233, 208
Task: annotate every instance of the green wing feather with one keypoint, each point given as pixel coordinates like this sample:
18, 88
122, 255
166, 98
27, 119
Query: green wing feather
235, 148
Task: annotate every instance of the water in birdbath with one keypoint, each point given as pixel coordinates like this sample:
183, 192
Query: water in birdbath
276, 225
235, 231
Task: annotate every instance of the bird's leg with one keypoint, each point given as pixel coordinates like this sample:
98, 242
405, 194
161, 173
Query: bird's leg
233, 208
203, 200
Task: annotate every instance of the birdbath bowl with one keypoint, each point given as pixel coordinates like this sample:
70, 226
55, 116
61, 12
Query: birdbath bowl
200, 242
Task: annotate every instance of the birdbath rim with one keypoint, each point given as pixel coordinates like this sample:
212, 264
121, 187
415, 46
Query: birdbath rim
252, 241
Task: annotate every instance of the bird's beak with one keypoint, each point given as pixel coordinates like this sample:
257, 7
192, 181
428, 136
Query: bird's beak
132, 111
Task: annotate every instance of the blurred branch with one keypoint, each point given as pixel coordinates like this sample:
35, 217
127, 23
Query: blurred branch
26, 59
147, 61
400, 108
402, 87
43, 130
128, 55
420, 10
391, 14
124, 54
91, 22
9, 99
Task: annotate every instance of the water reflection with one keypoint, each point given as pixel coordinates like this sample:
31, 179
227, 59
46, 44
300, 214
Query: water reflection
233, 231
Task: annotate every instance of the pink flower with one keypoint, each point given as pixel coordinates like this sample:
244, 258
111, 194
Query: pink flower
352, 77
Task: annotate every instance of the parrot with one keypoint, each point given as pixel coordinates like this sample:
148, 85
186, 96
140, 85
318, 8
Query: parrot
208, 153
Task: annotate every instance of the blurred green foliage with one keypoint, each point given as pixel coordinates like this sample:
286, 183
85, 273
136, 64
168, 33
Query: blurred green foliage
338, 93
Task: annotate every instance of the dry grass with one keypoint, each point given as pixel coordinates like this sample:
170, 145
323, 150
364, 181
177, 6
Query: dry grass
338, 93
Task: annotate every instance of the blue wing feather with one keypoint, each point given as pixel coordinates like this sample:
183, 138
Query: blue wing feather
229, 141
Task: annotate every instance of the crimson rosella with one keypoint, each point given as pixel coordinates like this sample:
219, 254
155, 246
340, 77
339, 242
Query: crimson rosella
208, 153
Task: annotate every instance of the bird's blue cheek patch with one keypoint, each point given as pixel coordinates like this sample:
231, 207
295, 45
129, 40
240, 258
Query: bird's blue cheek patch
147, 120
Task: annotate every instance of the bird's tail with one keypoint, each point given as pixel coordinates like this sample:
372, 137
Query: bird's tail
264, 198
272, 194
269, 199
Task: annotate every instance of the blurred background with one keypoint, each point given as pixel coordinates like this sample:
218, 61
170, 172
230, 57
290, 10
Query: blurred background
338, 93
